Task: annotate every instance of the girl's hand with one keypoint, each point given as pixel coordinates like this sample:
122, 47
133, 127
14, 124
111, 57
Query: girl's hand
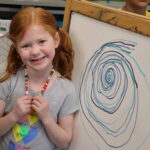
22, 106
41, 106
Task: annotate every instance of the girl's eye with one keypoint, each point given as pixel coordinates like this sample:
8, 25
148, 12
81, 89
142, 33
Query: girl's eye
42, 41
25, 46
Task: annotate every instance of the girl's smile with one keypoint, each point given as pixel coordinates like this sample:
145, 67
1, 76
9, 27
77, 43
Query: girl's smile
38, 60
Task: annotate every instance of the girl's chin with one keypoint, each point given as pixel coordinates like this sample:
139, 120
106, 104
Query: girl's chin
143, 3
40, 67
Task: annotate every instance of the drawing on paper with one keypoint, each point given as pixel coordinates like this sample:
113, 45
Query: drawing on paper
109, 94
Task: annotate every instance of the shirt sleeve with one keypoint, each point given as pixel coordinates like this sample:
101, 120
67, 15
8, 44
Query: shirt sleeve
71, 102
5, 90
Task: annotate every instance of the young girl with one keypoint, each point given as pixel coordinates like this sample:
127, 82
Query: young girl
37, 101
137, 6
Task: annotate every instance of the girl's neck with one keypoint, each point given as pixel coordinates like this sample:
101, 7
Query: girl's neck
38, 77
141, 11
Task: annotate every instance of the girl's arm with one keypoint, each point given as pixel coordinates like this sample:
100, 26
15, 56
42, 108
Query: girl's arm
21, 108
6, 122
61, 133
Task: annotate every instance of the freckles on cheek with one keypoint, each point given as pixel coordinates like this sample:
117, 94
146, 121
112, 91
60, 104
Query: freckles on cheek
24, 58
50, 52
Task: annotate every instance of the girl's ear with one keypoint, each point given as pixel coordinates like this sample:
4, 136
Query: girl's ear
57, 40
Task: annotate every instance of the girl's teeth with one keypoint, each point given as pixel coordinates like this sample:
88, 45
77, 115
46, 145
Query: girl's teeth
37, 59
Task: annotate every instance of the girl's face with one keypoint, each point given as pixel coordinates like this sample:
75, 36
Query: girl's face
138, 3
37, 48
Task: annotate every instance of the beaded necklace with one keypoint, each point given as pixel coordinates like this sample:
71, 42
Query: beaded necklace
26, 77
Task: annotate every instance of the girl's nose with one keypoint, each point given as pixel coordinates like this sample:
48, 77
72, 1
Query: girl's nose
35, 50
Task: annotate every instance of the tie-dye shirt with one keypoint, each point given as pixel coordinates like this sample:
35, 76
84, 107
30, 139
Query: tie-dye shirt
28, 133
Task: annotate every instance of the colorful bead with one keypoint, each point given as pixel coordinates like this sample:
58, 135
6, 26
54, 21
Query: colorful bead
44, 87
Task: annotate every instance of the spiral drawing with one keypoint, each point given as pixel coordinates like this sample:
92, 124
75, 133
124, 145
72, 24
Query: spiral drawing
109, 94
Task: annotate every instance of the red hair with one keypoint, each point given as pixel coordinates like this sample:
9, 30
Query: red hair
63, 60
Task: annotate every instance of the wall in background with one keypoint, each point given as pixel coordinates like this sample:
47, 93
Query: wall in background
8, 8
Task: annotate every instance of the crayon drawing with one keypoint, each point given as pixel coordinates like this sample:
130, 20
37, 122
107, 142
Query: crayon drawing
112, 76
109, 94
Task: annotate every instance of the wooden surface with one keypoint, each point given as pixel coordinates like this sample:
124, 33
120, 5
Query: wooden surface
134, 22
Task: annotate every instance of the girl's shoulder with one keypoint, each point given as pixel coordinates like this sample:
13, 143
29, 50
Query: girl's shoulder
65, 83
14, 78
19, 75
7, 87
